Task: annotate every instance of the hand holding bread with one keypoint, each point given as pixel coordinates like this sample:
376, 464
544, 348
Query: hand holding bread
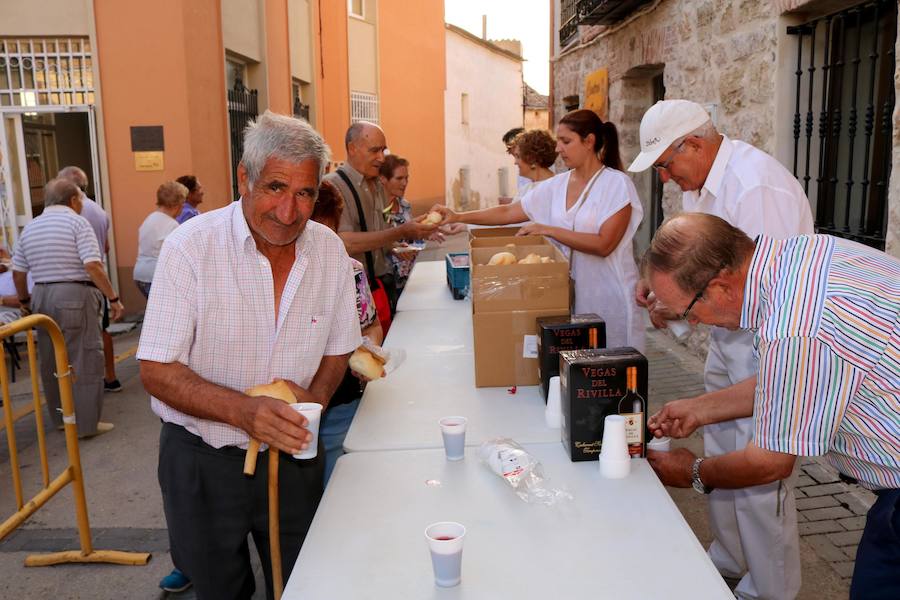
367, 364
268, 422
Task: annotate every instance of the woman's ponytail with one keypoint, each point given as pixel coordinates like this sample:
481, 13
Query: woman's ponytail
609, 152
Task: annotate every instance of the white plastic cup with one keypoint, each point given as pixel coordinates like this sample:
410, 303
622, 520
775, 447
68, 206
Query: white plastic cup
445, 540
615, 463
313, 413
680, 329
553, 411
663, 444
453, 430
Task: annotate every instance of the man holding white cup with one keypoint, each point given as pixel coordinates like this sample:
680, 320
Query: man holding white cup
243, 295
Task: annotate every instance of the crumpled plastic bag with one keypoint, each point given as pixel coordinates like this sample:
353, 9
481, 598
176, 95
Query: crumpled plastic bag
392, 357
522, 471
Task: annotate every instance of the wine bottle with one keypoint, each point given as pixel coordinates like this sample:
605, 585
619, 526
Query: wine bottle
631, 406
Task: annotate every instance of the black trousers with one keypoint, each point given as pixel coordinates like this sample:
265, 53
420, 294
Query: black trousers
211, 507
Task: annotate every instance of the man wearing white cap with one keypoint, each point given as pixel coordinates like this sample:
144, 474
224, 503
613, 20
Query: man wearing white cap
754, 528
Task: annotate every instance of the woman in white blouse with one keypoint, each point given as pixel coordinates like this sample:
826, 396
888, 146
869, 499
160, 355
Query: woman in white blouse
160, 223
591, 213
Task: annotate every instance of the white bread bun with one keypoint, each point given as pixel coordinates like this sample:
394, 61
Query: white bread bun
531, 259
502, 258
433, 218
277, 389
546, 259
367, 364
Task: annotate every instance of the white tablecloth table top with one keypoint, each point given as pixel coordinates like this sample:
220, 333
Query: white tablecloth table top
427, 289
617, 539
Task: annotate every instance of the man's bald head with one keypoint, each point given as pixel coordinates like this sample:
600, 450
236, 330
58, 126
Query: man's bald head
62, 191
75, 175
692, 247
366, 144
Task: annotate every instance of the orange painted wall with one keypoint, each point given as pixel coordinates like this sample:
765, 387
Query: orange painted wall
412, 79
166, 67
331, 73
278, 57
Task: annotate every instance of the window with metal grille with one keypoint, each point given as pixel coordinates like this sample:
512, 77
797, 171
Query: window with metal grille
242, 108
363, 107
842, 122
568, 19
46, 71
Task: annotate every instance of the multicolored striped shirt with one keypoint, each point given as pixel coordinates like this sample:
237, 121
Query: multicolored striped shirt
827, 316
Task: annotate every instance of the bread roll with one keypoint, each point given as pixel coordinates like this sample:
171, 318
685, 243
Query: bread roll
433, 218
278, 389
546, 259
502, 258
367, 364
531, 259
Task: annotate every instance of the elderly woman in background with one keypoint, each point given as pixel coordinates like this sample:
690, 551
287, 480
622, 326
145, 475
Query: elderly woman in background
340, 410
535, 152
170, 198
394, 176
195, 197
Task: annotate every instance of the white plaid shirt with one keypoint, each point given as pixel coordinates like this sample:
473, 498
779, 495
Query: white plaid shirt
212, 308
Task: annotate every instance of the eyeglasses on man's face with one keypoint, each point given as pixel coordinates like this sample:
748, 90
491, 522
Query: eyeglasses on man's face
699, 295
664, 166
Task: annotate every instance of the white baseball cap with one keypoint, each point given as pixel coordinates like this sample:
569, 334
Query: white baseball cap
665, 122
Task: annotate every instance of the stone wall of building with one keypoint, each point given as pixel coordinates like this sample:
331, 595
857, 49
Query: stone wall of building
723, 54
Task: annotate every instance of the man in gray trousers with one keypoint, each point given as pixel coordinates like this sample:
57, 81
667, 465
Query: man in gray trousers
60, 250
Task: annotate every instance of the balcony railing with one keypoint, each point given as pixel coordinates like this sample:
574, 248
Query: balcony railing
607, 12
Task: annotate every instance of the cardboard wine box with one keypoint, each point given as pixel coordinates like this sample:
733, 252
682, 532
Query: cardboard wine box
556, 334
593, 382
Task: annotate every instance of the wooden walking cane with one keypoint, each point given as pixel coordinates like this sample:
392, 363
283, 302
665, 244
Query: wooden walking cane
280, 390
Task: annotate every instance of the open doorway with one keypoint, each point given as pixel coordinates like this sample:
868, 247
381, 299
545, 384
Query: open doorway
645, 88
34, 146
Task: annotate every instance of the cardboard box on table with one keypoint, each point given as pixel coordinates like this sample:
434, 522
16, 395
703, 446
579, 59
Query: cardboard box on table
556, 334
506, 303
492, 232
498, 243
592, 382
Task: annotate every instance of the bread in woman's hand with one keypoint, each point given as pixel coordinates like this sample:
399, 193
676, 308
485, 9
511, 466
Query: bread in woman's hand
367, 364
433, 218
502, 258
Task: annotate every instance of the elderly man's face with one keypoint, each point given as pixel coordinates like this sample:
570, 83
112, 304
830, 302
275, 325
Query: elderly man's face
366, 153
711, 308
281, 201
683, 164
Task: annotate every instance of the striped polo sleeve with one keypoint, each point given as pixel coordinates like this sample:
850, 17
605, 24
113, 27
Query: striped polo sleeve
86, 241
802, 392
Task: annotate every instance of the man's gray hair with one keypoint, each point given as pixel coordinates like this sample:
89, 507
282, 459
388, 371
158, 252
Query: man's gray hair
694, 247
354, 132
285, 138
60, 191
74, 174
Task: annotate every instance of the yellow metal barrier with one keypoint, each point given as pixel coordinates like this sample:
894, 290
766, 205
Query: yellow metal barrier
71, 474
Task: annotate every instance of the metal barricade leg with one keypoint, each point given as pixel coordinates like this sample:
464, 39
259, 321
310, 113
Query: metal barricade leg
71, 474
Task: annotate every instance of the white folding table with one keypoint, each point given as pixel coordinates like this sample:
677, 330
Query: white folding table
617, 539
427, 289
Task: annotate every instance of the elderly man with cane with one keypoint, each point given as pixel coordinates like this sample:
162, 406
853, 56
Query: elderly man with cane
243, 295
825, 313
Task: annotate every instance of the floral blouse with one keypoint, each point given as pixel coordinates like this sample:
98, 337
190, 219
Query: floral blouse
365, 304
402, 263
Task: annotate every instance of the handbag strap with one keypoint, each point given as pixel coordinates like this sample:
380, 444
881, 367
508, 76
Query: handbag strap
370, 261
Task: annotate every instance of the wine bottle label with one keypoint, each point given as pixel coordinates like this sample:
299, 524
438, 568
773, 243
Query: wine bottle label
634, 430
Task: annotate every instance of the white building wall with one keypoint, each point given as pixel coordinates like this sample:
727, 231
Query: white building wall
493, 83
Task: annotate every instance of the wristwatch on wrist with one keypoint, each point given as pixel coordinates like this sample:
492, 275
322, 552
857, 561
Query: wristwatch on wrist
113, 300
697, 483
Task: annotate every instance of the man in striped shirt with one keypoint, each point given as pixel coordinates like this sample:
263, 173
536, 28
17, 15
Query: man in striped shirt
60, 251
826, 313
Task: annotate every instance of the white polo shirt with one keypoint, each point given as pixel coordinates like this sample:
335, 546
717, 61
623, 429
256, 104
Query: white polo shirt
753, 192
212, 308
